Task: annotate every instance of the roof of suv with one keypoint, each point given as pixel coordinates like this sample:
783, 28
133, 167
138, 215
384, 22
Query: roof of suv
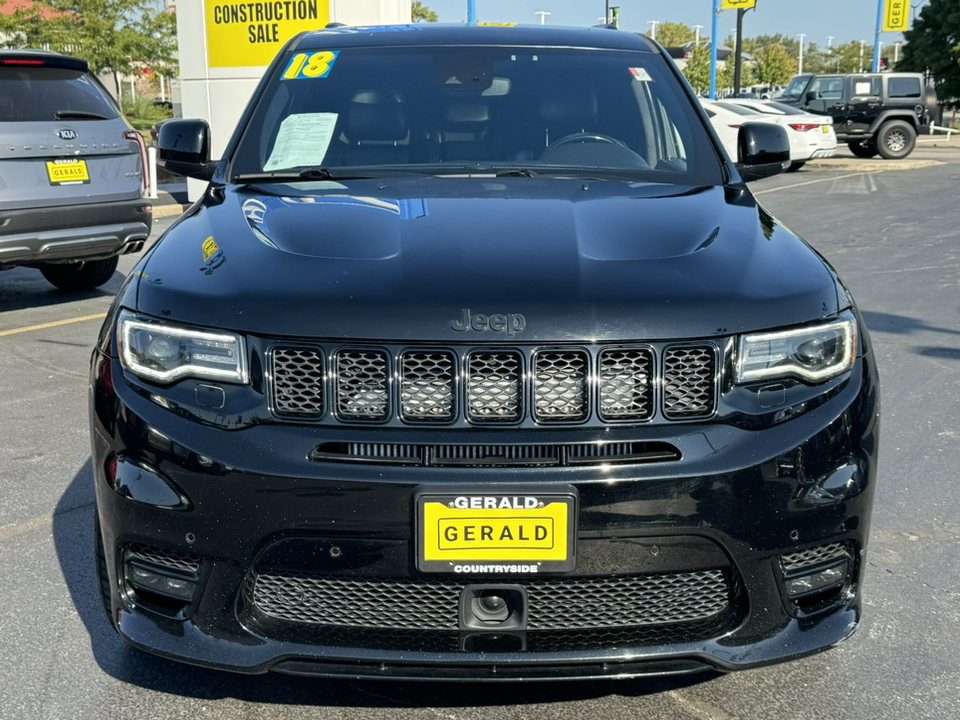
600, 37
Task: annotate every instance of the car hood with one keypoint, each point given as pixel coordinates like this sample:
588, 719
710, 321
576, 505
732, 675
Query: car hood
420, 258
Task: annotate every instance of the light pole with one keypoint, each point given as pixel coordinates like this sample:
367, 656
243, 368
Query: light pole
829, 42
862, 43
896, 52
543, 16
800, 69
697, 29
653, 28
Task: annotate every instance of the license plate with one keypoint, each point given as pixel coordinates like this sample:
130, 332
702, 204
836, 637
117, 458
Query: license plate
66, 172
484, 533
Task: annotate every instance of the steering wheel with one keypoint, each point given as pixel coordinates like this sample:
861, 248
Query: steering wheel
584, 137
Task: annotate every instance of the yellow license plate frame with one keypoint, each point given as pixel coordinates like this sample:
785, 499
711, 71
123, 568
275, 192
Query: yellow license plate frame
68, 172
496, 533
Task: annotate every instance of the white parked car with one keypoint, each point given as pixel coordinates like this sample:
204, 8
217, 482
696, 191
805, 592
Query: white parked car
811, 136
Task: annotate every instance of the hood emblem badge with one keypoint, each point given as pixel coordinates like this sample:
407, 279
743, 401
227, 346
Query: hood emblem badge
509, 323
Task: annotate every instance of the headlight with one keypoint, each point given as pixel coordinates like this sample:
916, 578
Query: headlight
814, 354
166, 353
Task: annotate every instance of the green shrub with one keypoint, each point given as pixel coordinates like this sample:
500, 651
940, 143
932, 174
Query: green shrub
143, 114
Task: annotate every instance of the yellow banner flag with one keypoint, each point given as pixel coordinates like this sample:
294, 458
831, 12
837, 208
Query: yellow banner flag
895, 17
738, 4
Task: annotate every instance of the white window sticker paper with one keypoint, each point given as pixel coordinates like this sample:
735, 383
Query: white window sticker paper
861, 88
303, 140
641, 75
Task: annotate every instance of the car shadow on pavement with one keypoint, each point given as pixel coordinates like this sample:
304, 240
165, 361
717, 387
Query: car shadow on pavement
23, 288
901, 324
74, 541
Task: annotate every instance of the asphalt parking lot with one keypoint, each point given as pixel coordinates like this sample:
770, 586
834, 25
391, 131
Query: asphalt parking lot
892, 230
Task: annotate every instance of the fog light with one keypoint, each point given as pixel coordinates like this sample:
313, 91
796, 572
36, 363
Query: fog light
151, 579
817, 580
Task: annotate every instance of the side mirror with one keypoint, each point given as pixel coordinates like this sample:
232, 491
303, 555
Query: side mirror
763, 150
811, 96
183, 146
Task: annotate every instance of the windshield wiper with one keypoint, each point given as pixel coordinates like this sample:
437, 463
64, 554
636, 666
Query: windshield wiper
78, 115
516, 172
288, 176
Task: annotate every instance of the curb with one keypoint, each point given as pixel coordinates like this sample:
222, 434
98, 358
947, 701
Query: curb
168, 210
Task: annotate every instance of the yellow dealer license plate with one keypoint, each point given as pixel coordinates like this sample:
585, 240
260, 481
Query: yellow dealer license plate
68, 171
496, 533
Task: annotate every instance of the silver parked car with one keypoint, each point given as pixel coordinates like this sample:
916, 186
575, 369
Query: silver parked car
72, 172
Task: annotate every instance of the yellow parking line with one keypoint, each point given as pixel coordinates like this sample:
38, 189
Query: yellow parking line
58, 323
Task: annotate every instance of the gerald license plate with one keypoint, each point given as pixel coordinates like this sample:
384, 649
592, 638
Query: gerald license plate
484, 534
65, 172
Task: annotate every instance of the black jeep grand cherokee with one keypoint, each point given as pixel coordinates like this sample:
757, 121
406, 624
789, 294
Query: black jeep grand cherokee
478, 360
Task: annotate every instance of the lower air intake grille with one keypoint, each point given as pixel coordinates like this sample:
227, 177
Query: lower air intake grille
170, 559
819, 555
527, 455
555, 604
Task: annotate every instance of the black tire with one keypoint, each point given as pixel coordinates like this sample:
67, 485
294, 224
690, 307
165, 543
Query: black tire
794, 166
102, 576
863, 148
896, 139
80, 276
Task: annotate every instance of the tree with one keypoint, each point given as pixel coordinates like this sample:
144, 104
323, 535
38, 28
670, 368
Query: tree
421, 13
675, 34
117, 35
934, 44
697, 70
773, 65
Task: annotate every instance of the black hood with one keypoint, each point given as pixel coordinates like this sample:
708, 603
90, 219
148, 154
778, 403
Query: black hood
579, 260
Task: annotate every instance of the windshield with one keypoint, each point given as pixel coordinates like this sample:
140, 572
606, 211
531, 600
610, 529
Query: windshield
795, 88
449, 110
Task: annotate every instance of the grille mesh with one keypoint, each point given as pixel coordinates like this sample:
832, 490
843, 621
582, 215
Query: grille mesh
611, 384
493, 387
814, 556
362, 385
427, 386
688, 381
561, 386
555, 604
298, 381
626, 384
171, 559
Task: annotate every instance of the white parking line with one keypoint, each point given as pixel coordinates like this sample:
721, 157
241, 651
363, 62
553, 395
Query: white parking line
8, 532
58, 323
826, 179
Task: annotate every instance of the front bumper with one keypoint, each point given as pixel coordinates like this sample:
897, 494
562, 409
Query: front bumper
74, 232
247, 502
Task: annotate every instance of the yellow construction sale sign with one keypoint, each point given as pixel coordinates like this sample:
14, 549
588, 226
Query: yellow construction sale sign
895, 16
249, 34
738, 4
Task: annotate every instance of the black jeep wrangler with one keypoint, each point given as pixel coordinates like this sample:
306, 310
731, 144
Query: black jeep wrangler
873, 113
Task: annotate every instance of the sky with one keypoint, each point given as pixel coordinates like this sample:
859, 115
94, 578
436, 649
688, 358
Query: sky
845, 20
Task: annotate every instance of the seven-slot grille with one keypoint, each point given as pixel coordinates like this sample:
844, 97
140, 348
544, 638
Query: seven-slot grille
482, 386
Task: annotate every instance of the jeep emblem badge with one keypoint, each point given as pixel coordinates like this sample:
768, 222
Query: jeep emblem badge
509, 323
67, 134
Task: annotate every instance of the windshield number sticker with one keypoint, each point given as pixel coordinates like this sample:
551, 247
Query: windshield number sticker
641, 75
314, 65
